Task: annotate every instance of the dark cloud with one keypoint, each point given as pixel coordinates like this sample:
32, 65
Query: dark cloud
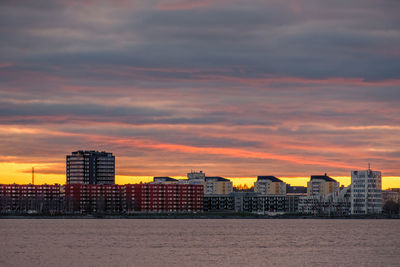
305, 80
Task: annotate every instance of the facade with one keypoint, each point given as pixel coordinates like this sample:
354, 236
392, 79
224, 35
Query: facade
366, 192
216, 185
219, 203
321, 185
29, 198
251, 202
90, 167
84, 198
265, 204
269, 185
336, 204
164, 197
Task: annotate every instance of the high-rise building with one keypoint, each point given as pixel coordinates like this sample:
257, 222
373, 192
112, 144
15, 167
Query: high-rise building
90, 167
269, 185
321, 185
366, 192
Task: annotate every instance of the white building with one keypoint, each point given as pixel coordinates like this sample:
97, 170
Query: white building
366, 192
336, 203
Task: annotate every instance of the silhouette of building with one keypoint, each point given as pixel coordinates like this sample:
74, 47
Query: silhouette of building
90, 167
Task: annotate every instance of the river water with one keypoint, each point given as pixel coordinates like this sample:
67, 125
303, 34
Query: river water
199, 242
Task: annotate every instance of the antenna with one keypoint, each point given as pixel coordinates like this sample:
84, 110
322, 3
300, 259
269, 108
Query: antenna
33, 175
369, 166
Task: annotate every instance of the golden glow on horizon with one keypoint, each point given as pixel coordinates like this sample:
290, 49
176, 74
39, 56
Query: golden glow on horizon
20, 173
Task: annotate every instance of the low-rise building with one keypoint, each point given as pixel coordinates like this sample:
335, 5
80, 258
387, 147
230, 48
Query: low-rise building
219, 203
87, 198
164, 197
251, 202
336, 204
29, 198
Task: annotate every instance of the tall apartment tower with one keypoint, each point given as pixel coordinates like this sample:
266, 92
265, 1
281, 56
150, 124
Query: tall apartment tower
366, 192
90, 167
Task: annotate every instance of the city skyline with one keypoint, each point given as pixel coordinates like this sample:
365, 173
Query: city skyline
389, 182
282, 88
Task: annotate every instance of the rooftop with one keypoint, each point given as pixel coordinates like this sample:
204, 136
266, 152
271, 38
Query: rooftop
165, 178
322, 177
271, 178
217, 178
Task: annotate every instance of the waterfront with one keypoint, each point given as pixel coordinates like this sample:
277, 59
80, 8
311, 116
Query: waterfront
191, 242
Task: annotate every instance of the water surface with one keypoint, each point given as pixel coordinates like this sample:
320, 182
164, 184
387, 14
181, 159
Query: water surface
199, 242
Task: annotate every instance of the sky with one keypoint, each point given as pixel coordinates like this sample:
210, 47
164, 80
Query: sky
289, 88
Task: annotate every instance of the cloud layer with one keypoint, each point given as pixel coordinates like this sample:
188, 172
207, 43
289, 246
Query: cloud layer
288, 88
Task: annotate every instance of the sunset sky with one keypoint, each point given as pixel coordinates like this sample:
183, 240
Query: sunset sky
233, 88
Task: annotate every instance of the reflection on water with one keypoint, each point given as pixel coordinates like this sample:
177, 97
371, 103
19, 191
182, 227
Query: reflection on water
191, 242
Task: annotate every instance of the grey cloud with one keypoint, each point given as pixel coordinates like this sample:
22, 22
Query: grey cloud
271, 38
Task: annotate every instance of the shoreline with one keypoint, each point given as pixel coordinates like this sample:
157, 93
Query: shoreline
193, 216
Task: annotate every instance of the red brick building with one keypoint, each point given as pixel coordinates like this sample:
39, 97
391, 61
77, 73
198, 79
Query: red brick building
109, 199
29, 198
87, 198
164, 197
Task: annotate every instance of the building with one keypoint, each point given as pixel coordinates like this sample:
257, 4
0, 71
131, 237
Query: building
213, 185
334, 204
296, 190
194, 176
321, 185
164, 197
366, 192
90, 167
269, 185
391, 195
129, 198
219, 203
251, 202
29, 198
164, 180
90, 198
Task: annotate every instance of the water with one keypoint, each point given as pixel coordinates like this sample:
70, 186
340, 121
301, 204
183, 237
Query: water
201, 242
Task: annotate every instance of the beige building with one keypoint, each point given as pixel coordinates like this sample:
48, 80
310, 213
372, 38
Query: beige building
217, 186
213, 185
269, 185
321, 185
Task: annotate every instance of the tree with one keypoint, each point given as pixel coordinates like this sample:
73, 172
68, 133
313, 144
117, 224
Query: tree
391, 207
